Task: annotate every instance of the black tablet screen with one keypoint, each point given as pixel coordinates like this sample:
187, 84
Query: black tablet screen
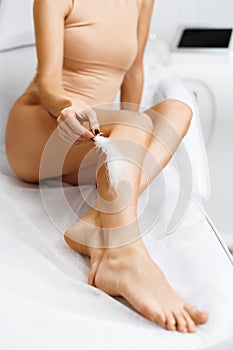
205, 38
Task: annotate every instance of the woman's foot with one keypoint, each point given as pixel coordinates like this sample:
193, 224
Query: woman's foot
131, 273
84, 237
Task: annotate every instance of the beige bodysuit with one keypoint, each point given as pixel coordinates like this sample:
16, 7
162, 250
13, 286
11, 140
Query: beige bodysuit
100, 45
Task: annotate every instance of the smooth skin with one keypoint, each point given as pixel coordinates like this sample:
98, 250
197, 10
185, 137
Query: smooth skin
125, 270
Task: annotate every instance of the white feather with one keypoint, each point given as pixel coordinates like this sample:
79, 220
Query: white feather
117, 166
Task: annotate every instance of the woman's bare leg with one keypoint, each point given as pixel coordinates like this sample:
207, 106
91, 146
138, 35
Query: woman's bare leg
176, 116
128, 270
118, 271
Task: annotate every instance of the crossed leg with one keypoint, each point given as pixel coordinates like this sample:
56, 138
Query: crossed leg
170, 115
118, 271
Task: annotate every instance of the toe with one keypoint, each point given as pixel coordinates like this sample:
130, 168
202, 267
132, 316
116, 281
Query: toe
154, 313
191, 327
197, 316
160, 319
181, 323
170, 322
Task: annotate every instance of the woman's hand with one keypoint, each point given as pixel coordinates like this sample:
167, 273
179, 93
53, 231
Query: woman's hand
70, 122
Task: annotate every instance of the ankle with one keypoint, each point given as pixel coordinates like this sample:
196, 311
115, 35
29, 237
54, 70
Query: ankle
129, 250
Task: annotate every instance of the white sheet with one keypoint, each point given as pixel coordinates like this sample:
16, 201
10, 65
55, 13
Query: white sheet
46, 302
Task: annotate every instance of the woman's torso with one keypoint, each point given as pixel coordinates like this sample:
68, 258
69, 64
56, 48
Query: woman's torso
100, 45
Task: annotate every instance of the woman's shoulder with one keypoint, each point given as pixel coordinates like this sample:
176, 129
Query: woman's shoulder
63, 6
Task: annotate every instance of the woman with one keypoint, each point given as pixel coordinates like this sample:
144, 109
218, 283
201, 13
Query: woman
86, 51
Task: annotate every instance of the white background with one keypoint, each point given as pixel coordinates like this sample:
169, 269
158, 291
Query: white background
216, 71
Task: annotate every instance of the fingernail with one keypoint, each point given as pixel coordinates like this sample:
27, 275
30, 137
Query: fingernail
97, 132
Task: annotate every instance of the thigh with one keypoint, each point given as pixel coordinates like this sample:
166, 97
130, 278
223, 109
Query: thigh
35, 149
32, 136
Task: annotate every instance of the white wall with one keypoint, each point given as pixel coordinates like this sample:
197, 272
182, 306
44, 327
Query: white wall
168, 14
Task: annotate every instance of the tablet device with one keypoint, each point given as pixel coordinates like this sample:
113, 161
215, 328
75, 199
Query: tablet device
204, 39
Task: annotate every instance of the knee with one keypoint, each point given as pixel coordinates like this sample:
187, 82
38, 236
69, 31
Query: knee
178, 113
184, 112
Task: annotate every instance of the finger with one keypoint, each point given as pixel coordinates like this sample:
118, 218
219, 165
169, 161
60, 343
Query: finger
64, 129
67, 134
88, 134
65, 123
81, 117
74, 124
78, 129
93, 121
73, 127
73, 139
65, 114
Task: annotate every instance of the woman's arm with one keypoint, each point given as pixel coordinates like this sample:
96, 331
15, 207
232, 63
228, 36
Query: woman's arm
49, 16
131, 88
